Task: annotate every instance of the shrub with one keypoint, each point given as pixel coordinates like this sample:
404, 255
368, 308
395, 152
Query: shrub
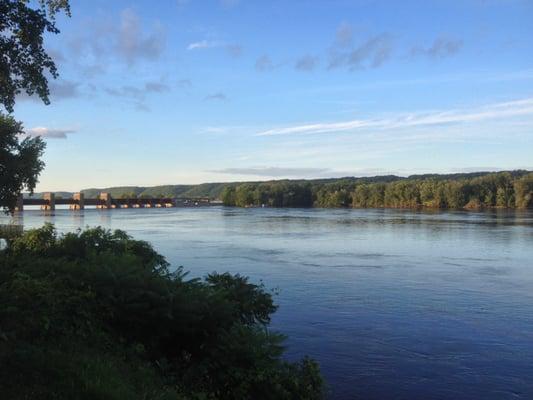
95, 314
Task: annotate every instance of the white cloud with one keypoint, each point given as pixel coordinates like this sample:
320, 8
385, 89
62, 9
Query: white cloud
50, 133
457, 116
203, 44
233, 49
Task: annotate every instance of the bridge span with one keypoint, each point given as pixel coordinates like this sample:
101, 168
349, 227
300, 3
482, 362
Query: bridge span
49, 201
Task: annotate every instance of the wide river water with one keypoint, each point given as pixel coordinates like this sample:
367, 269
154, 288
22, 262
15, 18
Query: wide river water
394, 304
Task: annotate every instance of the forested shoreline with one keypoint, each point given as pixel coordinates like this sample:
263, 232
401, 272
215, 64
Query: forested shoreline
477, 190
512, 189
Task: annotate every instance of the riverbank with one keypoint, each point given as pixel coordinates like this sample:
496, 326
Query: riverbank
431, 190
378, 297
97, 314
491, 190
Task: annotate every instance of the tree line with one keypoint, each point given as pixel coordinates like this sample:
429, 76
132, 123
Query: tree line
470, 191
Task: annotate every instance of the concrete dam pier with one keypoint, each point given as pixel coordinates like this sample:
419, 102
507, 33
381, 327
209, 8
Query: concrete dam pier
49, 201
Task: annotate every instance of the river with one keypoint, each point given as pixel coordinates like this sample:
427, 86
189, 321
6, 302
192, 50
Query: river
394, 304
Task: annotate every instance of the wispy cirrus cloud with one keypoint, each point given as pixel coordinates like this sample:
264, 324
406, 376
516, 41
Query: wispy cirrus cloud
137, 95
138, 92
233, 49
50, 133
64, 89
493, 111
203, 44
442, 47
59, 90
370, 53
375, 50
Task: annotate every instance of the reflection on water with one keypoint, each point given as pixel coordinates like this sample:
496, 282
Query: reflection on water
394, 304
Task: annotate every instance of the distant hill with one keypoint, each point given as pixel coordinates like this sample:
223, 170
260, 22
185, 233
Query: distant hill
214, 190
211, 190
64, 195
138, 191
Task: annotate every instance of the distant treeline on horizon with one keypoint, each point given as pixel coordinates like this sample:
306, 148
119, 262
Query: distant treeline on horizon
506, 189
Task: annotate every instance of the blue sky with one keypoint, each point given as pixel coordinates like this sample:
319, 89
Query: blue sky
190, 91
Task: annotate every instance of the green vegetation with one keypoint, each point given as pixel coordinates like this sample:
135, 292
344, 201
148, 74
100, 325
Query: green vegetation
468, 191
97, 315
509, 189
24, 66
273, 194
20, 163
211, 190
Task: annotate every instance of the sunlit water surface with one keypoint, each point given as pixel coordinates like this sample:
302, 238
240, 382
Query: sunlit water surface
393, 304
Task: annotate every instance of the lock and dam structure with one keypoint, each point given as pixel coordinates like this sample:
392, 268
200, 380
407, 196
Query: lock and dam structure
105, 201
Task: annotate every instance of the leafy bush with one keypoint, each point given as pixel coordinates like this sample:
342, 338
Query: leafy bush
97, 315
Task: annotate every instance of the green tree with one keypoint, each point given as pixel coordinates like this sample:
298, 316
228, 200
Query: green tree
277, 191
244, 195
469, 191
24, 62
128, 195
524, 191
228, 196
454, 193
376, 195
432, 193
24, 65
360, 196
20, 162
402, 194
262, 194
333, 195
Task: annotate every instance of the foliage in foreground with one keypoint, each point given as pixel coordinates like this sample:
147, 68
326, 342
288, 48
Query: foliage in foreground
20, 161
25, 65
97, 315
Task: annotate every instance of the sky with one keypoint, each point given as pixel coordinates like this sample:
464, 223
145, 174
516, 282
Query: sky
190, 91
